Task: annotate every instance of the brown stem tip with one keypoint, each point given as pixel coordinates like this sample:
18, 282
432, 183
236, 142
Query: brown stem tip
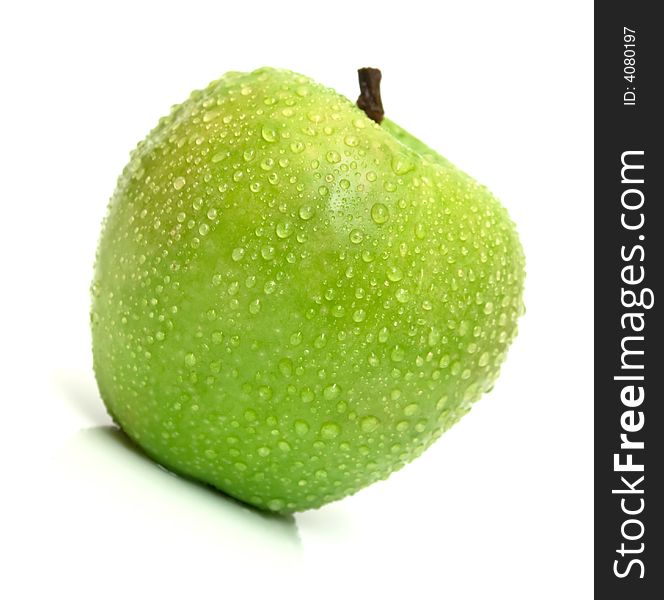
369, 100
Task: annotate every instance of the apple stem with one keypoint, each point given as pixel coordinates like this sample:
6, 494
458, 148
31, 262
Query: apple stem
369, 100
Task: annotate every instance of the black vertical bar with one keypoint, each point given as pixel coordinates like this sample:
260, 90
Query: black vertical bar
629, 264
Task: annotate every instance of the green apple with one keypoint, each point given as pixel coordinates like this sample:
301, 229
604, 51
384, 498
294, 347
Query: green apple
292, 300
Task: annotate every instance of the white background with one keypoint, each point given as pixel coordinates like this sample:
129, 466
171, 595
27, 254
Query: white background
500, 507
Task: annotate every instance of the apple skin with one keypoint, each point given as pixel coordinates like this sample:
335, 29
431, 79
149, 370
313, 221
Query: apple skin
291, 301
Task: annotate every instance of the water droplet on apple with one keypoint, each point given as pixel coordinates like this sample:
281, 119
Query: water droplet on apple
402, 295
329, 430
284, 229
301, 427
269, 133
421, 425
359, 315
265, 392
394, 273
286, 367
351, 141
356, 236
296, 147
306, 212
401, 165
331, 391
379, 213
276, 504
410, 409
369, 424
267, 163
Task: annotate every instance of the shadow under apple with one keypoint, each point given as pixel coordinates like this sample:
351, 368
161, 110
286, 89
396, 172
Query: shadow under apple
120, 489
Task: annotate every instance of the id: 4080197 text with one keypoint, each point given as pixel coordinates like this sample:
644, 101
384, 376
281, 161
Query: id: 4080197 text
629, 66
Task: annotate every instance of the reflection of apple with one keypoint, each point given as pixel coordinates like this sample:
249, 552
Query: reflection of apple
291, 300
